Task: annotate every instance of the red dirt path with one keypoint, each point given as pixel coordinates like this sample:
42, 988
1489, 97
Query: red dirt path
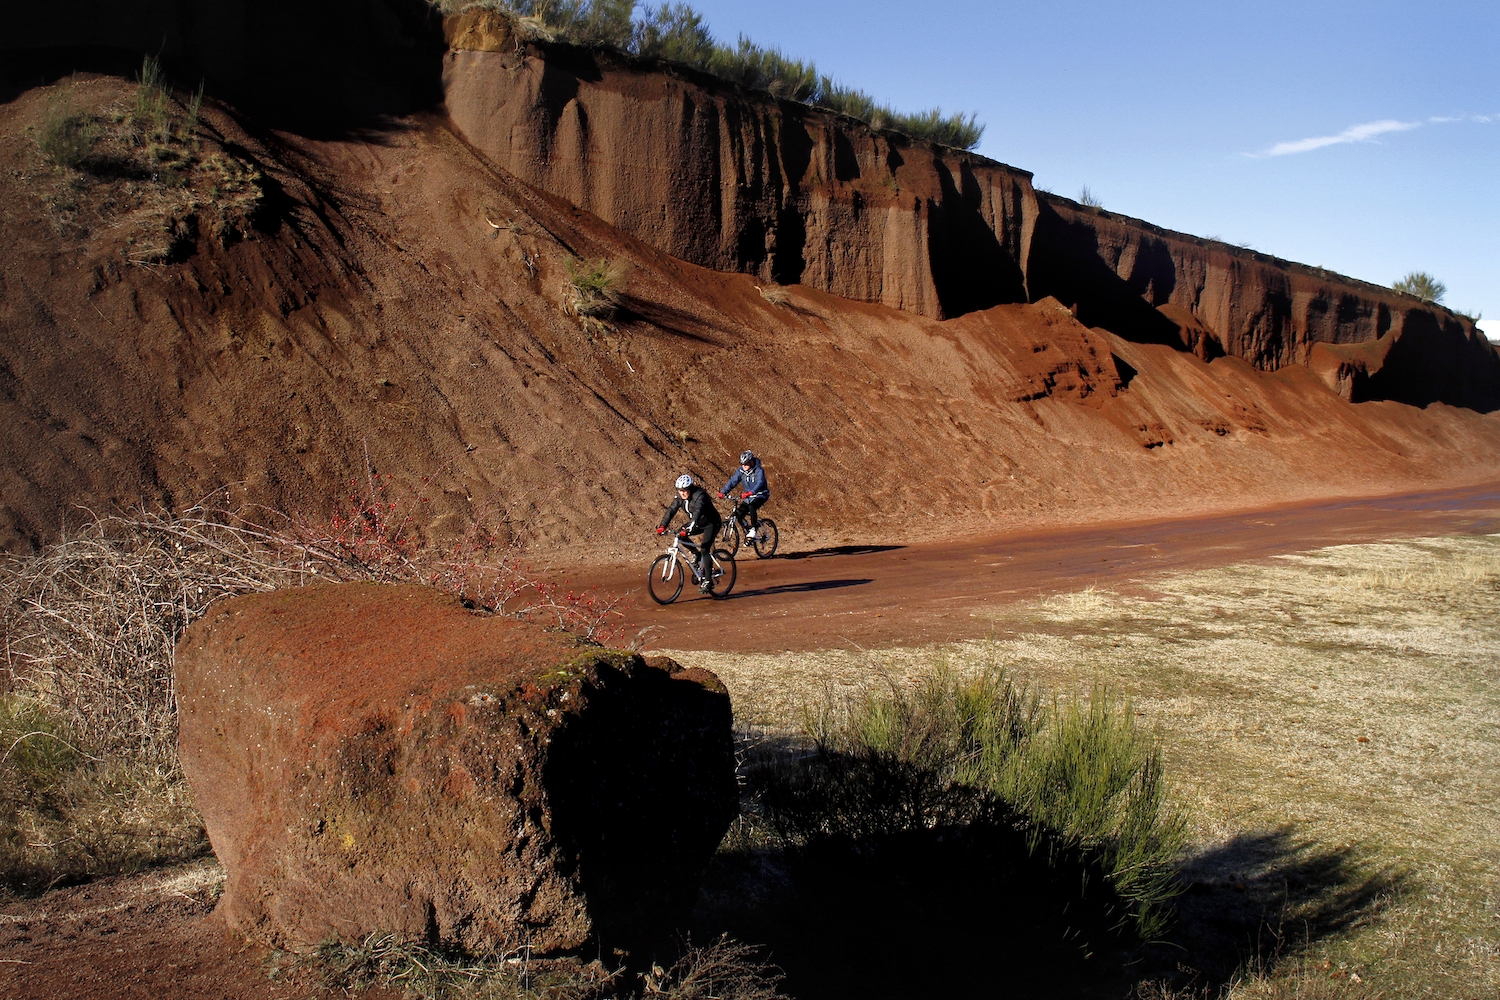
895, 595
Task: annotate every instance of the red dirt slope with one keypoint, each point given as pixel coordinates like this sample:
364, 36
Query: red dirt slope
379, 306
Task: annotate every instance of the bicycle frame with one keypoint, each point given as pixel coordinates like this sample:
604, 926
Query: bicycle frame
682, 556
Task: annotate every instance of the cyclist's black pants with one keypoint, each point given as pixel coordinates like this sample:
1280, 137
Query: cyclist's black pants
704, 551
749, 508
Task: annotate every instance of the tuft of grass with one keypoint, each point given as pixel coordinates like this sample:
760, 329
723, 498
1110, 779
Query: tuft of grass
1423, 285
774, 294
594, 287
1088, 199
36, 746
152, 110
194, 108
67, 136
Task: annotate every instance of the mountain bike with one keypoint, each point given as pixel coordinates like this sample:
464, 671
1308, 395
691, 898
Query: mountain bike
668, 570
765, 540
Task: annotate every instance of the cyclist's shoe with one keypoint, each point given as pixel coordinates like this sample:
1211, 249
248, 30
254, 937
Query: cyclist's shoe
705, 587
750, 533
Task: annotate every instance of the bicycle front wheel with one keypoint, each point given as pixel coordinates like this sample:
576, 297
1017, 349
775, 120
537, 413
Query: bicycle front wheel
766, 538
664, 580
724, 572
729, 536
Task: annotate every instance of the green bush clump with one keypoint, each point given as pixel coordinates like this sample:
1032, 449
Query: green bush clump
1078, 777
675, 31
67, 136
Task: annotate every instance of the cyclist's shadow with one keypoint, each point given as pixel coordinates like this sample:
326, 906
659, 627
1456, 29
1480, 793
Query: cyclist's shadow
795, 588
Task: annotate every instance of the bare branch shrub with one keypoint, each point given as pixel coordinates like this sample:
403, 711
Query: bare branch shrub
725, 970
89, 779
90, 624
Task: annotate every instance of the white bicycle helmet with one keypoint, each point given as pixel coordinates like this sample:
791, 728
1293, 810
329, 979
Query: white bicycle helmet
684, 481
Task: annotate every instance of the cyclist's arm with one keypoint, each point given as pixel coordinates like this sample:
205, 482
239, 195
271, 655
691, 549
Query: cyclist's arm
672, 509
739, 474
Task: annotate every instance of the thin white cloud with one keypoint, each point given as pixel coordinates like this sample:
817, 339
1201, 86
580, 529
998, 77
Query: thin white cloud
1366, 133
1354, 133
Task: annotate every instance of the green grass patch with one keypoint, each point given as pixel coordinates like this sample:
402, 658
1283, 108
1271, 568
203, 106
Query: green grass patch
67, 136
1082, 778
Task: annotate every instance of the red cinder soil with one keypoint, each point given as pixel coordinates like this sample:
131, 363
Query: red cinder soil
403, 295
139, 937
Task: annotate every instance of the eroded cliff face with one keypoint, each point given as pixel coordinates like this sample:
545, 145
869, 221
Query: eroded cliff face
740, 181
1155, 285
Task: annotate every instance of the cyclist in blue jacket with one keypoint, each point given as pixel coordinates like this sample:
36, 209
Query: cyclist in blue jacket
752, 476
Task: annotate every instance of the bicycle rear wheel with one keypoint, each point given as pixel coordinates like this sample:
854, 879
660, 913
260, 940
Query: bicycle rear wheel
664, 579
724, 572
766, 538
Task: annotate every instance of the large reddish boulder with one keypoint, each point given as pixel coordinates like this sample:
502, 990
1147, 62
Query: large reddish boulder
372, 759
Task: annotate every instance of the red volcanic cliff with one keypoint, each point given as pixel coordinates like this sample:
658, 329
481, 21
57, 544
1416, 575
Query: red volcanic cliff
737, 180
740, 181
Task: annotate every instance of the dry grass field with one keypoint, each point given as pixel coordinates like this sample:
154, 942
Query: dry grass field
1329, 719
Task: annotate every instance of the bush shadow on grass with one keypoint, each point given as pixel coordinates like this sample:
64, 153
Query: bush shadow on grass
874, 879
1259, 898
869, 878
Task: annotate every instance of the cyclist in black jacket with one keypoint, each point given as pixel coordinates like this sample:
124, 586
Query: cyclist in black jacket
703, 519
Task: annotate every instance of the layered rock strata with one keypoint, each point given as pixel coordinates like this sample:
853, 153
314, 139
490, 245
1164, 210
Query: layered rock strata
374, 759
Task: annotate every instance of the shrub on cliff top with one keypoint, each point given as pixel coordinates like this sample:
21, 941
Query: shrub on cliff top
1423, 285
677, 32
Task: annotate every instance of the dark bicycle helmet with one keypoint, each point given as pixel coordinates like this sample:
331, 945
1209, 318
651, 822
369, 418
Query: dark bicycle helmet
747, 457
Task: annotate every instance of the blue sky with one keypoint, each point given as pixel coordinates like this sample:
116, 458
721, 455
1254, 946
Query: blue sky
1361, 137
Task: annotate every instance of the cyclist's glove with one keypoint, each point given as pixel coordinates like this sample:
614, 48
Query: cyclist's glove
660, 530
746, 496
721, 496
